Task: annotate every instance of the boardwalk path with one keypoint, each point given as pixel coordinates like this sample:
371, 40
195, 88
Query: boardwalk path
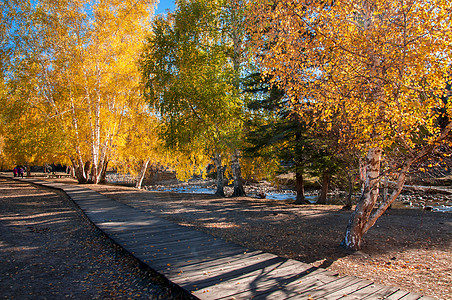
211, 268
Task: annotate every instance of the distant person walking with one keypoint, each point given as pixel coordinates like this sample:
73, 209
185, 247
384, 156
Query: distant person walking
15, 171
21, 172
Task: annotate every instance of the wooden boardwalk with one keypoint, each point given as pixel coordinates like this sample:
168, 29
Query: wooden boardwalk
211, 268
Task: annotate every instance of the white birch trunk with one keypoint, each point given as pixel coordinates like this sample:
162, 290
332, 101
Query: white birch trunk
358, 220
77, 164
96, 163
140, 177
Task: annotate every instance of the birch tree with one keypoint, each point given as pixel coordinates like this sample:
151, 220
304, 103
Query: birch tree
32, 134
77, 61
382, 65
109, 78
189, 78
138, 145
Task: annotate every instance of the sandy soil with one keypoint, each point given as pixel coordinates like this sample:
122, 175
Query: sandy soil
407, 248
50, 250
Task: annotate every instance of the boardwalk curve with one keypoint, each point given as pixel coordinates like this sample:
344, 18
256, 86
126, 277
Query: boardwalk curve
211, 268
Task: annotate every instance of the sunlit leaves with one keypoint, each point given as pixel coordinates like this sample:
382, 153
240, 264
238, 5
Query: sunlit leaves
189, 78
74, 63
382, 63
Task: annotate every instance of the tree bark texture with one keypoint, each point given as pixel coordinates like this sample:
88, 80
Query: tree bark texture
28, 169
324, 191
142, 173
103, 172
239, 191
348, 202
299, 186
79, 170
220, 175
359, 218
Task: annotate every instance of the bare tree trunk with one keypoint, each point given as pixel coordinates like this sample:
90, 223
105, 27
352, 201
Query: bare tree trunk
220, 176
77, 167
79, 171
93, 106
299, 187
385, 188
28, 169
239, 191
102, 178
86, 169
94, 144
324, 191
348, 202
140, 177
356, 227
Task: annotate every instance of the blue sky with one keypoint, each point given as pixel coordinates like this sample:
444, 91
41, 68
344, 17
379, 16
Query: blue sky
163, 5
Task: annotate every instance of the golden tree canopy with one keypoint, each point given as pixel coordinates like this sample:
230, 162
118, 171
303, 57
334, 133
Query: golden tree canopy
381, 64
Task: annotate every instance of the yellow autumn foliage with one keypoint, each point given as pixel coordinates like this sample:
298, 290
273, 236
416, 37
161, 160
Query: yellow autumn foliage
383, 64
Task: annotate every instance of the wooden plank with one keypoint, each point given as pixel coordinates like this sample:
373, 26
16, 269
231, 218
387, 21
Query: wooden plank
88, 199
262, 284
104, 209
190, 271
119, 226
171, 229
382, 293
158, 242
372, 291
284, 289
231, 286
348, 289
196, 242
110, 211
247, 257
99, 203
313, 290
192, 261
151, 230
73, 191
332, 287
411, 296
86, 195
185, 253
179, 233
106, 221
208, 263
397, 295
161, 262
200, 278
195, 239
173, 246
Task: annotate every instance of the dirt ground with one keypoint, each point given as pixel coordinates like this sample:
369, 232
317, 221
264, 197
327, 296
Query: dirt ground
50, 250
407, 248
